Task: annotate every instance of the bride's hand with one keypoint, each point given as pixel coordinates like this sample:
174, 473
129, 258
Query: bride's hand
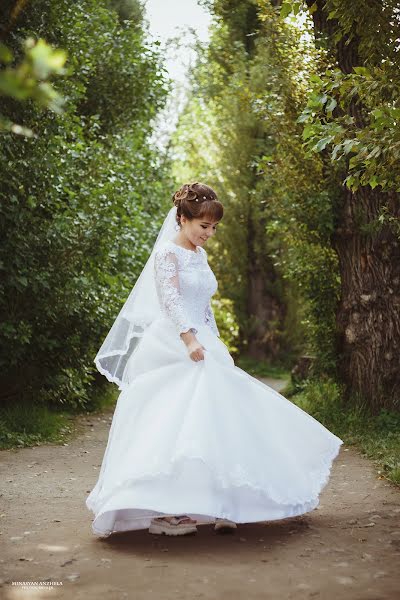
195, 350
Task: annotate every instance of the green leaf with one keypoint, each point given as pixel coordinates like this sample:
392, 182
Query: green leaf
6, 55
303, 118
308, 131
373, 182
286, 9
348, 145
361, 71
353, 162
331, 105
321, 145
296, 8
22, 280
45, 60
336, 150
321, 99
378, 113
351, 182
316, 79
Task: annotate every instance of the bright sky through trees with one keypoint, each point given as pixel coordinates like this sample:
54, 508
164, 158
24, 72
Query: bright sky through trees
168, 20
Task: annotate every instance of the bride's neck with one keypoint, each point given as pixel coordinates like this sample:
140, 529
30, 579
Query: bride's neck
184, 242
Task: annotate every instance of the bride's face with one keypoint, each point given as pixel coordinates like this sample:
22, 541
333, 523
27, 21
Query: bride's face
198, 230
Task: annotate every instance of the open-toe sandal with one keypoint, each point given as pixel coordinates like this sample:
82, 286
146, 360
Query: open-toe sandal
175, 526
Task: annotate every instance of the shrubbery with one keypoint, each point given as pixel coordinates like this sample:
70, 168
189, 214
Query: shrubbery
81, 202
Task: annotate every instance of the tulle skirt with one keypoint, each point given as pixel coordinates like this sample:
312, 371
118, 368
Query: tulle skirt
207, 440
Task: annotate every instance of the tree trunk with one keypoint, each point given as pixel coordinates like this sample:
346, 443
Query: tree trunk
265, 312
368, 315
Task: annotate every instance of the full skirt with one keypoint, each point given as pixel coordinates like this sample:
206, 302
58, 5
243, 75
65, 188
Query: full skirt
205, 439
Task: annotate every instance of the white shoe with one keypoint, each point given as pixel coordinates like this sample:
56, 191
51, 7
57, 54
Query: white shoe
175, 526
224, 525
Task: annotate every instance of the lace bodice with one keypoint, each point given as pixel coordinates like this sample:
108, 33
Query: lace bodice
185, 284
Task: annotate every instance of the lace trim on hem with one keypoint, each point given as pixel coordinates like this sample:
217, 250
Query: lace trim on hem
322, 471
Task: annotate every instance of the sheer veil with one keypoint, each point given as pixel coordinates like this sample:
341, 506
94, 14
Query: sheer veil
139, 311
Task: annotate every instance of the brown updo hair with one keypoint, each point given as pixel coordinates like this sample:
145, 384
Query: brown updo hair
196, 201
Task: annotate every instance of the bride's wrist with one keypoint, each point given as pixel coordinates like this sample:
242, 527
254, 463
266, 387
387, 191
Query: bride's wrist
188, 336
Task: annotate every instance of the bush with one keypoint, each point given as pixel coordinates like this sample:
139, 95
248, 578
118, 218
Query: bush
80, 202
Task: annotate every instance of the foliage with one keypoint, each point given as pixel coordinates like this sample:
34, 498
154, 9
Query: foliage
30, 78
302, 196
373, 150
227, 326
254, 76
368, 144
80, 202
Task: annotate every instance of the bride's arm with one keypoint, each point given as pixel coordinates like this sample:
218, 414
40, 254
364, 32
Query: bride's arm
167, 284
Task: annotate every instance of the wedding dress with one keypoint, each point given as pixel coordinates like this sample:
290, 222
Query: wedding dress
204, 438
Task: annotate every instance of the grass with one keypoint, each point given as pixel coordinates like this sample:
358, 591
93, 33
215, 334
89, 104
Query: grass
377, 436
262, 369
23, 424
26, 425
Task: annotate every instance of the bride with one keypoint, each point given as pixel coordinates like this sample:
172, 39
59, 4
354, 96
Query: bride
195, 439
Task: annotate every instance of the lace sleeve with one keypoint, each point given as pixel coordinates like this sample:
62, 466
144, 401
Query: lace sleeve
210, 319
167, 285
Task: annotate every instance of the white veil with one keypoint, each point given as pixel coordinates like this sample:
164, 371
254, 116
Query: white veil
139, 311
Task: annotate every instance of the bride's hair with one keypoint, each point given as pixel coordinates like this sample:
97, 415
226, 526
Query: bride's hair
197, 200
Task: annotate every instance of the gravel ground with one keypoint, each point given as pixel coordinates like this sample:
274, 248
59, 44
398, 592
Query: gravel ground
347, 548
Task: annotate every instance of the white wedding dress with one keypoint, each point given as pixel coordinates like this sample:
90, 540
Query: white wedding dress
204, 439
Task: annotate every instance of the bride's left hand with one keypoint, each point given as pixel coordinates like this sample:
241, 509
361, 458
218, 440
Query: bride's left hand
195, 350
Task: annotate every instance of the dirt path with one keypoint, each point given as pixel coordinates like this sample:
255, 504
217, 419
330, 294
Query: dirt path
348, 548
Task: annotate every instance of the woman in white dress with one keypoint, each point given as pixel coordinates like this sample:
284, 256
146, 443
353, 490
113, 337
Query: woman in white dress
195, 439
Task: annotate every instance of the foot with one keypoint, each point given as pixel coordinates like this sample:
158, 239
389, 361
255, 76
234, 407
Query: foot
181, 518
224, 525
173, 525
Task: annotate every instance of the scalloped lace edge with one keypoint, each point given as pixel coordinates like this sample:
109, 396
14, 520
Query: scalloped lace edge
324, 469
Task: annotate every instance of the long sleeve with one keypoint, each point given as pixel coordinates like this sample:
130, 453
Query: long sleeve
167, 284
210, 319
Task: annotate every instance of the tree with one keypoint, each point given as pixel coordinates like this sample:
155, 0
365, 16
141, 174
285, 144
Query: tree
80, 201
361, 42
299, 127
273, 253
221, 95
